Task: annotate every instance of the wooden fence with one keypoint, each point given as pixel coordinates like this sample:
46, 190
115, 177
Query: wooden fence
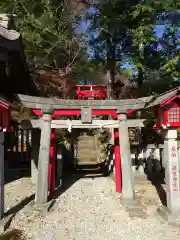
18, 148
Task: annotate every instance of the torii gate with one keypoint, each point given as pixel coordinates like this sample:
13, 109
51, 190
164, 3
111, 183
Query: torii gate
49, 108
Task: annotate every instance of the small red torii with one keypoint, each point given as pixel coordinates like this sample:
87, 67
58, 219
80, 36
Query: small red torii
91, 91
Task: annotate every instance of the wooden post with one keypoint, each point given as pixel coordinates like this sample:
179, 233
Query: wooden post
43, 165
117, 161
140, 161
1, 175
52, 163
162, 157
59, 167
35, 144
172, 170
148, 157
126, 163
133, 159
157, 159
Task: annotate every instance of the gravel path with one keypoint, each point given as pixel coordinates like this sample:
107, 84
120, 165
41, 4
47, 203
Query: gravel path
17, 191
91, 210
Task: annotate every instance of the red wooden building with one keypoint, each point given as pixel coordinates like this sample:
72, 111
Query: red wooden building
167, 109
5, 116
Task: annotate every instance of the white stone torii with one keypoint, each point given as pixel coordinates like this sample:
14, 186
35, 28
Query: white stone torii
122, 124
37, 123
121, 107
48, 105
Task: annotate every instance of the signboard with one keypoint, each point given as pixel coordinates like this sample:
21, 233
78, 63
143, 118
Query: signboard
88, 149
86, 115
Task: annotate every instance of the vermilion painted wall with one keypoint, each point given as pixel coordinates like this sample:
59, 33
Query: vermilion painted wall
5, 117
162, 112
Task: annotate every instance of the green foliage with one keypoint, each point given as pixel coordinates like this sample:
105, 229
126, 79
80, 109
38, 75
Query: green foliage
126, 31
46, 28
119, 31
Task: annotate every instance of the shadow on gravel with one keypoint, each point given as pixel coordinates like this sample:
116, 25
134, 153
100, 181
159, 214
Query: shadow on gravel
15, 209
67, 183
85, 171
11, 213
15, 174
157, 179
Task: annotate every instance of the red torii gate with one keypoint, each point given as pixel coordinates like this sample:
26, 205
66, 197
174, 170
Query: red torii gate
77, 112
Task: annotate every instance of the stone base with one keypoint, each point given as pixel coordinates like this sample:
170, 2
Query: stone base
141, 178
45, 208
167, 215
141, 170
134, 169
112, 176
134, 208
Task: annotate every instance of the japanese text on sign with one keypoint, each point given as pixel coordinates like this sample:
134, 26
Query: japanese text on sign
174, 178
173, 151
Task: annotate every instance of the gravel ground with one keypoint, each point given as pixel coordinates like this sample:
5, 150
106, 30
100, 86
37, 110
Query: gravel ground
91, 210
17, 191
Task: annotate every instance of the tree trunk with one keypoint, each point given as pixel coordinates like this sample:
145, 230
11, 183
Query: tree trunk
111, 67
140, 76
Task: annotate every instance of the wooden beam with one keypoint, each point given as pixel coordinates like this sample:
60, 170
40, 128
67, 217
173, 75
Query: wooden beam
154, 146
36, 123
55, 103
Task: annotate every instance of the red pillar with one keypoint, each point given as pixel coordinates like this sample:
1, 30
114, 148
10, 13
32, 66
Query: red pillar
118, 174
52, 163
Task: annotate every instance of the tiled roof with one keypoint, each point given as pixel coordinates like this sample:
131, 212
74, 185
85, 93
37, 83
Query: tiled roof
5, 32
163, 97
9, 34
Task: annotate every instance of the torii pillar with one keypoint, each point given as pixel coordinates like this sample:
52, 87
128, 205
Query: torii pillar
41, 195
128, 189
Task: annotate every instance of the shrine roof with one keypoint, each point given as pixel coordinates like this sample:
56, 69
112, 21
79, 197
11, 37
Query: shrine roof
9, 34
163, 97
3, 102
3, 99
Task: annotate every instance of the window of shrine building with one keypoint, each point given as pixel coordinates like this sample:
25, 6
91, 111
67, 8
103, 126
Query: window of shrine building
174, 115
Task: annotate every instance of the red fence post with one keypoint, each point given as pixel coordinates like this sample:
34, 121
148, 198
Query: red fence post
52, 163
117, 160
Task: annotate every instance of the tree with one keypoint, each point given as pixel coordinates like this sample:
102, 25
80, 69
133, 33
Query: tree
127, 33
108, 24
47, 29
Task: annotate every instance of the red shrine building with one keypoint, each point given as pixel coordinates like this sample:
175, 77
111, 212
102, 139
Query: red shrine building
5, 116
167, 109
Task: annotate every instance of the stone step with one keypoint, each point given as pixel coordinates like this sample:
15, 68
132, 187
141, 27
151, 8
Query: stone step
134, 208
